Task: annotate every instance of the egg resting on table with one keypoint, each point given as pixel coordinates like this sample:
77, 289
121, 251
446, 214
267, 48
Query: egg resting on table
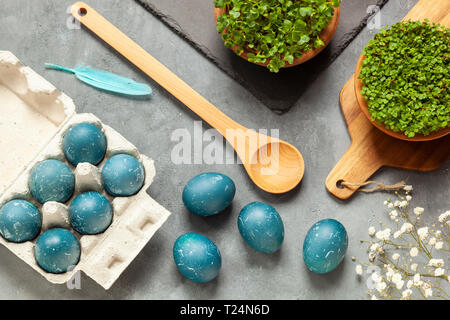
90, 213
84, 142
261, 227
20, 221
208, 193
57, 250
51, 180
197, 257
123, 175
325, 246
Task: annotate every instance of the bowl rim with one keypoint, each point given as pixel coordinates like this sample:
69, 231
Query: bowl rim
362, 102
326, 35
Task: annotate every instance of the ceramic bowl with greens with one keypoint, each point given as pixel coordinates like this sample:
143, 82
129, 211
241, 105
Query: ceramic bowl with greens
277, 33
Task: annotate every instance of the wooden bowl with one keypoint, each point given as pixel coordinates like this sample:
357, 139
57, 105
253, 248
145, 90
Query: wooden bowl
326, 35
399, 135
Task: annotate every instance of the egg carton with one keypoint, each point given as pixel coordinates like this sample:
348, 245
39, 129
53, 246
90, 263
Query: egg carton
34, 117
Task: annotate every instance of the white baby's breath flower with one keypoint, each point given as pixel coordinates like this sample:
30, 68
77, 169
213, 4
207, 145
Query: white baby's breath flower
393, 214
359, 270
374, 247
444, 216
408, 198
408, 188
395, 256
414, 267
386, 202
403, 204
438, 234
409, 284
439, 245
372, 256
406, 227
397, 203
417, 280
418, 210
414, 252
376, 277
383, 234
432, 241
372, 231
390, 205
439, 272
406, 294
381, 286
428, 293
436, 263
373, 297
423, 233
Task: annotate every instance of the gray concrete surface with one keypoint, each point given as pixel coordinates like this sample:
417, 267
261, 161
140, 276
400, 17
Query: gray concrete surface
36, 32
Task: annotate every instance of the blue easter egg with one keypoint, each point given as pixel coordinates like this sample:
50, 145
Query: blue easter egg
261, 227
51, 180
325, 246
57, 250
84, 142
208, 193
90, 213
20, 221
197, 257
123, 175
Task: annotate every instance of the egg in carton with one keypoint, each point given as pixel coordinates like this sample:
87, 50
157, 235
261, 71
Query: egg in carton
33, 120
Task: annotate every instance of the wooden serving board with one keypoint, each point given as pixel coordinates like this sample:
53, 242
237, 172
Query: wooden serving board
372, 149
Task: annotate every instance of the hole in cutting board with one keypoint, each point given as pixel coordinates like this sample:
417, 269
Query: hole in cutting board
339, 184
82, 12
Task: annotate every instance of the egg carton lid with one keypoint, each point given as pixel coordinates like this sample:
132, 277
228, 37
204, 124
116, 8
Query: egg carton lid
33, 111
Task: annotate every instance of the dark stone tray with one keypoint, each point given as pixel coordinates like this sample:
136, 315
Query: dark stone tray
194, 21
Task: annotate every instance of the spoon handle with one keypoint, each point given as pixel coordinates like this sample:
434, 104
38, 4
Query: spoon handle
152, 67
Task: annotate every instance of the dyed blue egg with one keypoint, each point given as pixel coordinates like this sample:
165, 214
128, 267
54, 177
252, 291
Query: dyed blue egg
123, 175
261, 227
57, 250
84, 142
208, 193
20, 221
90, 213
197, 257
51, 180
325, 246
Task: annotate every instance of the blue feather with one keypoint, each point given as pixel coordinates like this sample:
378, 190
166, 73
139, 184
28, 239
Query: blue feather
106, 80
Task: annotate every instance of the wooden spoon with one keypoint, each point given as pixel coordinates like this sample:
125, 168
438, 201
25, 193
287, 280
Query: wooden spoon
274, 165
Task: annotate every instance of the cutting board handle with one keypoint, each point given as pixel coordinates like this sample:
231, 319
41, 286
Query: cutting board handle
357, 165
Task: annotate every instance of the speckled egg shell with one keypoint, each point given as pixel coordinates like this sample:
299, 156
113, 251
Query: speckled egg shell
20, 221
325, 246
197, 257
90, 213
208, 193
261, 227
57, 250
123, 175
84, 142
51, 180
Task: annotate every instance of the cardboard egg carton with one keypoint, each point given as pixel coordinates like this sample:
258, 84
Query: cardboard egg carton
33, 119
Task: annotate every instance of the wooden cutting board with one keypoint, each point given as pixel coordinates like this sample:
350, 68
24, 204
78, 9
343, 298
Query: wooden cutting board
372, 149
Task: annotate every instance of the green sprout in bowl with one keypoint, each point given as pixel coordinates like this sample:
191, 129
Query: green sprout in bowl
405, 76
274, 31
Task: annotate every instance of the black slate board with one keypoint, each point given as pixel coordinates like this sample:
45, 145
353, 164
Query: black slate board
194, 21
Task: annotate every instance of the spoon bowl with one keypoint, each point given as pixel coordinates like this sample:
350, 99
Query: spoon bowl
277, 167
